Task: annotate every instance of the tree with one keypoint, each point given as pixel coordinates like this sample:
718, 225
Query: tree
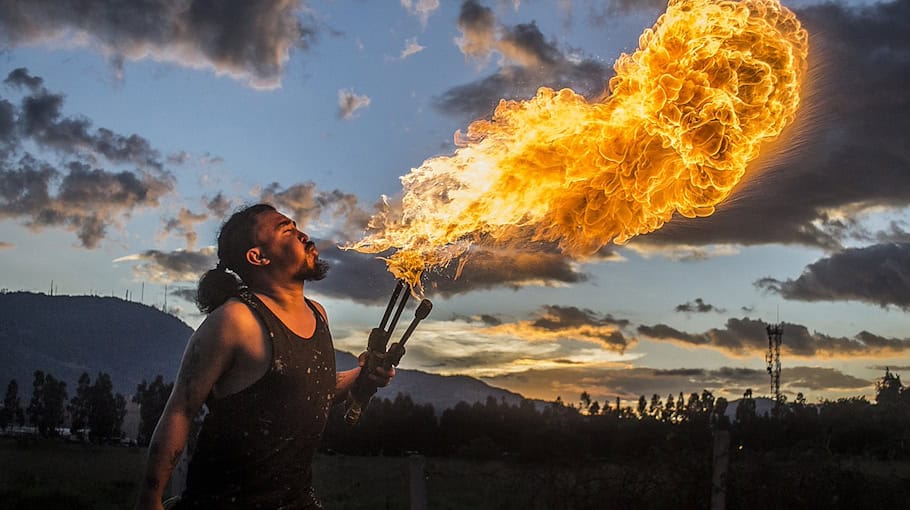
151, 399
12, 408
45, 410
106, 411
888, 388
79, 406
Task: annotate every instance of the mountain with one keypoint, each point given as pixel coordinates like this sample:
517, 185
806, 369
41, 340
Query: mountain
68, 335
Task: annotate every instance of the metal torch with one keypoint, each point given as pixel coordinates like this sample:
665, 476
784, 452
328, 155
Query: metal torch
380, 353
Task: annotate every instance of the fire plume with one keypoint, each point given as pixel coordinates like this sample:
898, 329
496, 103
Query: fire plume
684, 115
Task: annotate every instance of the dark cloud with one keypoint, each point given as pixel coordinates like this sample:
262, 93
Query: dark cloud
80, 198
364, 278
306, 205
184, 225
171, 266
698, 306
247, 40
746, 337
20, 77
218, 205
847, 150
555, 317
890, 367
531, 62
875, 274
185, 293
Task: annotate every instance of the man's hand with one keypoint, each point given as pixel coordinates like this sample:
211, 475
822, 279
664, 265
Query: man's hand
380, 376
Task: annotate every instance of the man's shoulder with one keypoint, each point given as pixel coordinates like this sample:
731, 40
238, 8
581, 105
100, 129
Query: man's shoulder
234, 320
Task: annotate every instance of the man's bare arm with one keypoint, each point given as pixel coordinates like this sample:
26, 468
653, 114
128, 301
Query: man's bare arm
208, 355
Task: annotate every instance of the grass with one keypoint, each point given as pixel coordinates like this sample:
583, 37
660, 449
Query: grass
56, 475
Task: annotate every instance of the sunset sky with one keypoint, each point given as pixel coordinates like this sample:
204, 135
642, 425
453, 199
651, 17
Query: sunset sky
128, 131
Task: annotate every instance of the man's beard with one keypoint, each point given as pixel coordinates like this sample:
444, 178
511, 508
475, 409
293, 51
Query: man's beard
313, 274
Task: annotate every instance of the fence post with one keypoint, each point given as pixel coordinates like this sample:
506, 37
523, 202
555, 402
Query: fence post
719, 478
418, 483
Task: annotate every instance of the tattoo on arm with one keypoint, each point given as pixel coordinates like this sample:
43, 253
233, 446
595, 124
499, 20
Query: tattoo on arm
189, 372
175, 457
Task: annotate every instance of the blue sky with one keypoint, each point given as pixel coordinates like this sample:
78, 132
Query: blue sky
819, 240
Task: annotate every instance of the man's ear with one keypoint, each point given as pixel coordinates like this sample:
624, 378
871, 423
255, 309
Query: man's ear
255, 257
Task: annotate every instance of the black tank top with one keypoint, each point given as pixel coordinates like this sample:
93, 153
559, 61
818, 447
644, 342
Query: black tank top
256, 446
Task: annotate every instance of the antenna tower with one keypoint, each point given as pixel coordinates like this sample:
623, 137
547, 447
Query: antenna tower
775, 334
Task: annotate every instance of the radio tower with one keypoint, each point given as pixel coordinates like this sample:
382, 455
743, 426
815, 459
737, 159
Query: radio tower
775, 333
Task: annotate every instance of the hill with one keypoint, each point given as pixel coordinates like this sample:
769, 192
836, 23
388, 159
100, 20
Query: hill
68, 335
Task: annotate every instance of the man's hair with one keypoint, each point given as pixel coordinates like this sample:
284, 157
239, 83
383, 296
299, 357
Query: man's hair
237, 235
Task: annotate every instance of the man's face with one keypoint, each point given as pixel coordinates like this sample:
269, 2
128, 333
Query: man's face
286, 246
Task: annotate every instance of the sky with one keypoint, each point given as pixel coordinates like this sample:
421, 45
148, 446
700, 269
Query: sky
128, 132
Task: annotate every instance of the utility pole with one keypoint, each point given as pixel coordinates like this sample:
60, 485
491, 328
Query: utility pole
775, 336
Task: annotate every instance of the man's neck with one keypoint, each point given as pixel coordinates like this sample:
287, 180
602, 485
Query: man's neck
288, 296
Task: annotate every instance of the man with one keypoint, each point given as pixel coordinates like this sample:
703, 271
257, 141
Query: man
263, 363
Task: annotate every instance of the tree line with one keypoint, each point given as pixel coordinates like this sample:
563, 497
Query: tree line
95, 413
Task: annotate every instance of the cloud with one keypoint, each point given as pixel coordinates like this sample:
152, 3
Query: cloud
364, 278
171, 267
748, 337
77, 194
183, 225
556, 322
249, 41
529, 62
845, 154
349, 102
336, 214
218, 205
6, 246
411, 47
605, 383
699, 306
875, 274
421, 8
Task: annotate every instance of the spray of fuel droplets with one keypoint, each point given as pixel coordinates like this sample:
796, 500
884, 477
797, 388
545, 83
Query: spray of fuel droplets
683, 117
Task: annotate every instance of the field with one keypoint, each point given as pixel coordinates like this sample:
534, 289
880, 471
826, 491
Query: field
55, 475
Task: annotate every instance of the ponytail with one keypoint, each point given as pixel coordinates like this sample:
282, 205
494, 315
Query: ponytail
216, 286
237, 235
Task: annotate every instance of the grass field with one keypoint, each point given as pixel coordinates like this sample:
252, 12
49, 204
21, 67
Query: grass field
50, 475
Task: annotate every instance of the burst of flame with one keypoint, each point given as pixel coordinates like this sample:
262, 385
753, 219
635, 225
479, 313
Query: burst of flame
683, 117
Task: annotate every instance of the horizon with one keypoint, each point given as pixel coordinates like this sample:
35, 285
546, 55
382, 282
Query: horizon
122, 152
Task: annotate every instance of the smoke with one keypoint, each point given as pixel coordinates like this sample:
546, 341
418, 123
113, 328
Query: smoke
874, 274
529, 62
349, 102
249, 41
77, 194
745, 337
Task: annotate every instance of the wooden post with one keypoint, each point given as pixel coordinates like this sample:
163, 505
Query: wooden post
721, 460
418, 484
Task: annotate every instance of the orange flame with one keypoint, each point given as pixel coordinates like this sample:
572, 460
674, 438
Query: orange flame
684, 115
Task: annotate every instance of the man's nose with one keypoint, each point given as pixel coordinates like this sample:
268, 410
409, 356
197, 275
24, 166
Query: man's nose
302, 236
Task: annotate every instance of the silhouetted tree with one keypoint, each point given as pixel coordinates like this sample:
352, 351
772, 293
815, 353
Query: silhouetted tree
80, 405
106, 410
45, 410
151, 398
12, 408
888, 388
